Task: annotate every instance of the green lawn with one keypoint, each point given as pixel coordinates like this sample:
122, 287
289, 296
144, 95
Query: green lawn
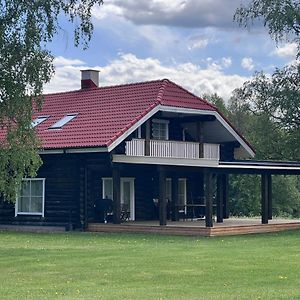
114, 266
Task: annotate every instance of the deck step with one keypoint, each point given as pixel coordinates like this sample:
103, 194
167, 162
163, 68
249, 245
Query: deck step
192, 230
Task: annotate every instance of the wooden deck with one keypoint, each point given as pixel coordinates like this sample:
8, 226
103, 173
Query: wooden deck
197, 228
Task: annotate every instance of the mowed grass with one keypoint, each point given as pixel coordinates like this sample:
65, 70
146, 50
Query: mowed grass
119, 266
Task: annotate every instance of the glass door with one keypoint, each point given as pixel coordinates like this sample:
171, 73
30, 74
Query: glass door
127, 199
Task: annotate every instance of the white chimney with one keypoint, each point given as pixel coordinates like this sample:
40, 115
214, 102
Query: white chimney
89, 79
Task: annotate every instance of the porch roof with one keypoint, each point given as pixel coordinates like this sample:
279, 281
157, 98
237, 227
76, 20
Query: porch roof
231, 167
261, 166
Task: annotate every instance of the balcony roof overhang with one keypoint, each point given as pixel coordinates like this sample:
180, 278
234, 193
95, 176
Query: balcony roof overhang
220, 127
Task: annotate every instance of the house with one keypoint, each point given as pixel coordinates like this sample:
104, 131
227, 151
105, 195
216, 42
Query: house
152, 149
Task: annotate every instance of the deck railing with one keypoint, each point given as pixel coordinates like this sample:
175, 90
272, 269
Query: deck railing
172, 149
135, 147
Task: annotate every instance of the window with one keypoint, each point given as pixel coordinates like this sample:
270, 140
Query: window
169, 189
127, 194
66, 119
38, 121
182, 192
107, 188
139, 132
160, 129
31, 198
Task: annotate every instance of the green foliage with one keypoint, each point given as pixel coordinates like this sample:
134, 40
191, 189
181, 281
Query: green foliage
267, 108
286, 196
218, 102
244, 195
25, 66
281, 17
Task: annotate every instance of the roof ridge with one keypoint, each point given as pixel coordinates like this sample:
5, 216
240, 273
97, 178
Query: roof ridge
106, 87
162, 90
187, 91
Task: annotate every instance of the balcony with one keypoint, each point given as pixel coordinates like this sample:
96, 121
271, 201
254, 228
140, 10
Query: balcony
172, 149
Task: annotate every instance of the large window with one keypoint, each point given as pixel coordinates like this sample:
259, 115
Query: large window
160, 129
107, 188
31, 197
182, 192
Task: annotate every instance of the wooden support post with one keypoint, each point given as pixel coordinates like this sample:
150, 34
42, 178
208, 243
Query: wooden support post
200, 138
208, 200
116, 194
225, 179
220, 195
162, 197
264, 199
147, 139
270, 206
175, 215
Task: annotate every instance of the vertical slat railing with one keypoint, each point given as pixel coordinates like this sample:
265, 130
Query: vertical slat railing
172, 149
211, 151
135, 147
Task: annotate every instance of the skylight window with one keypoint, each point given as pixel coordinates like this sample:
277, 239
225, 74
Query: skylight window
66, 119
38, 121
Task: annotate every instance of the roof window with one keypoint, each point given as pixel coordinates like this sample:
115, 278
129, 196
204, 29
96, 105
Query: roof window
66, 119
38, 121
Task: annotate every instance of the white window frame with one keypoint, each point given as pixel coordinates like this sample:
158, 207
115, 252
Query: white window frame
161, 121
42, 213
139, 132
103, 187
39, 120
63, 121
132, 199
184, 180
169, 190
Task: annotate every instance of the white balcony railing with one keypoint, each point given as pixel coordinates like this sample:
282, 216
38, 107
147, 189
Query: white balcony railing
135, 147
211, 151
172, 149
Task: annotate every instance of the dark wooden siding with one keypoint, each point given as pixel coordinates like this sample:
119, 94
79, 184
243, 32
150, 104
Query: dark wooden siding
73, 184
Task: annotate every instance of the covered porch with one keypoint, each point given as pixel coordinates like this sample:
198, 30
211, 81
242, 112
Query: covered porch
214, 210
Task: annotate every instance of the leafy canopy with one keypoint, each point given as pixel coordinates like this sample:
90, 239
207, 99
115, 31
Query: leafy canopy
276, 96
25, 66
281, 17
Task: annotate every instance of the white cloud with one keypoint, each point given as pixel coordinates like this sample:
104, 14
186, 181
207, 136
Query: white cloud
198, 41
247, 63
67, 75
226, 61
287, 50
129, 68
183, 13
62, 61
106, 11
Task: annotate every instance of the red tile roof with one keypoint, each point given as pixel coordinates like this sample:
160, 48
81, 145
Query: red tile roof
105, 113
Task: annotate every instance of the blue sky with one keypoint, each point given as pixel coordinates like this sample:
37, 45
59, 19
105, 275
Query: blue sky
192, 42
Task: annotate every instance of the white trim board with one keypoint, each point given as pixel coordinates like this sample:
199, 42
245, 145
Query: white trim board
257, 167
74, 150
201, 162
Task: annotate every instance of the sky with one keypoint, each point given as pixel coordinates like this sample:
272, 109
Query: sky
194, 43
